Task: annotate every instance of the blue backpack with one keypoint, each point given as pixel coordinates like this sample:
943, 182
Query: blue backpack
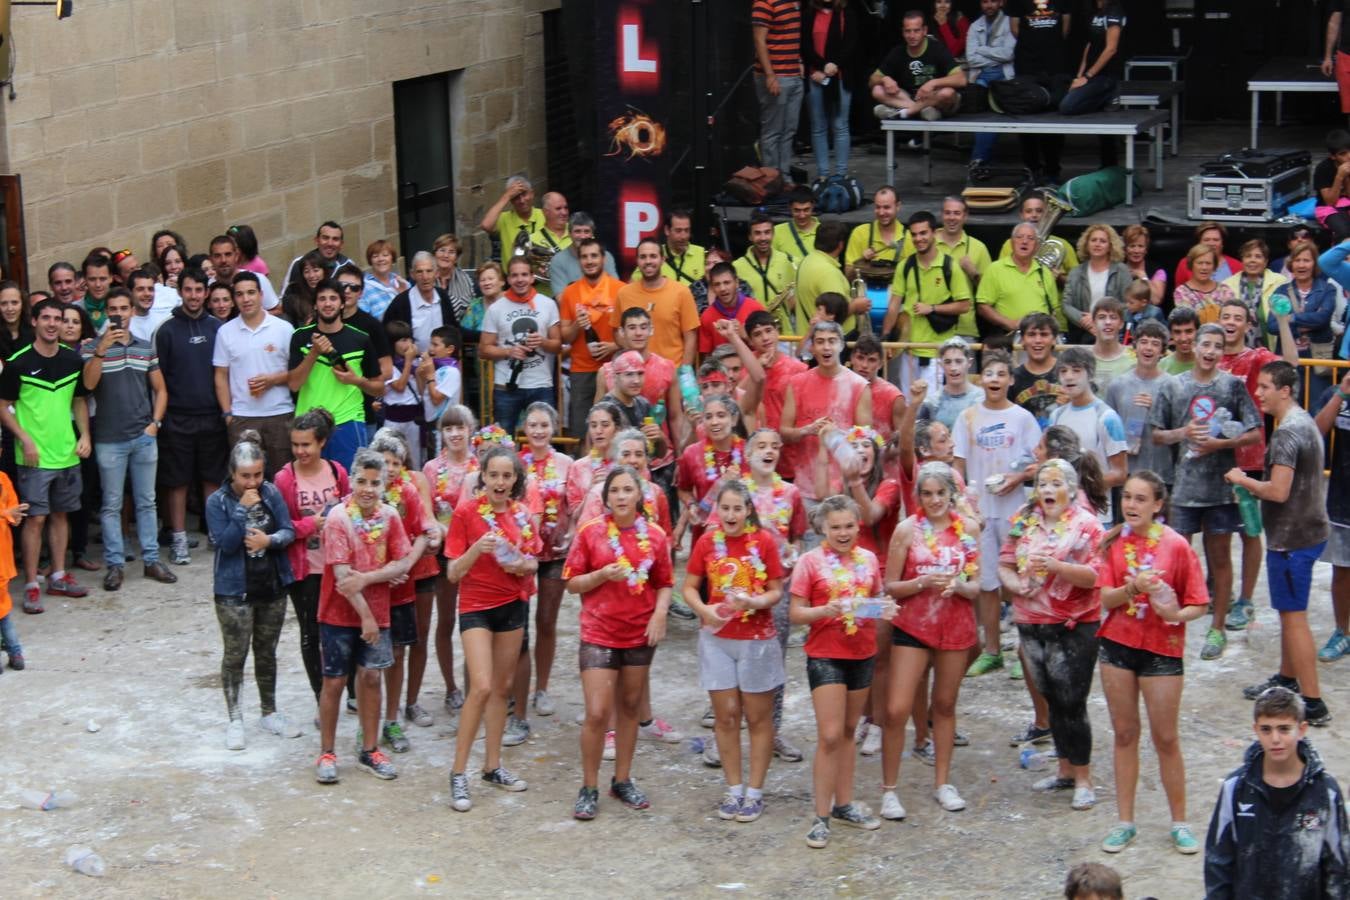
837, 194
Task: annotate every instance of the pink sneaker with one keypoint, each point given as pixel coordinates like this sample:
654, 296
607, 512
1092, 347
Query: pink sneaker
659, 730
609, 746
65, 586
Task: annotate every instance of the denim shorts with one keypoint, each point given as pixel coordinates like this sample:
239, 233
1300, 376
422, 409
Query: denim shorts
1289, 574
507, 617
1223, 519
1338, 546
403, 625
726, 664
853, 674
343, 651
1143, 663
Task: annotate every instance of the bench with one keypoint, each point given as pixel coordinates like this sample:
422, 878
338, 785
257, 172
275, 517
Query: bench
1285, 75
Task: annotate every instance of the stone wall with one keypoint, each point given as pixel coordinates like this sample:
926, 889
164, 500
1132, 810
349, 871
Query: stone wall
195, 114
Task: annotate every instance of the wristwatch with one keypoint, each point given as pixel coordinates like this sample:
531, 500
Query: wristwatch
158, 423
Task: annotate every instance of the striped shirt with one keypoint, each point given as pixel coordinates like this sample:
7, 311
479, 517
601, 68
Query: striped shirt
123, 391
783, 18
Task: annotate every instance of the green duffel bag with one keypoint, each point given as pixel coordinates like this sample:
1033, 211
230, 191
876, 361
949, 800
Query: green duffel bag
1091, 193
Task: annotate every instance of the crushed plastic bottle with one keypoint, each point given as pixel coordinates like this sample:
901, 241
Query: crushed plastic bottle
1280, 304
689, 392
842, 451
1264, 631
1035, 760
506, 553
1221, 424
85, 861
45, 800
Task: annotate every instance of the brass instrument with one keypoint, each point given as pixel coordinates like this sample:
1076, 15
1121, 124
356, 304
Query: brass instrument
538, 255
1050, 253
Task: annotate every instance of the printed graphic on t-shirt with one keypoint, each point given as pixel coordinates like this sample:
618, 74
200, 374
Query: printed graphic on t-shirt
994, 437
521, 323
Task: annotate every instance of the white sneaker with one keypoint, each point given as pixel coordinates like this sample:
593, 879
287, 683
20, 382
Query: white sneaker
860, 731
891, 807
871, 744
949, 799
1084, 798
279, 725
712, 757
659, 730
234, 735
543, 704
610, 747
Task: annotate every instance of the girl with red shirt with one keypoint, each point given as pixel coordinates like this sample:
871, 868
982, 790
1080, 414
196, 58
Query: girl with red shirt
492, 546
702, 464
933, 572
620, 565
1047, 566
951, 27
839, 656
1142, 641
739, 665
446, 474
919, 442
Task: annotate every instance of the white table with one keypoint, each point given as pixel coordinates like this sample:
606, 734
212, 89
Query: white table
1172, 64
1151, 95
1285, 76
1126, 123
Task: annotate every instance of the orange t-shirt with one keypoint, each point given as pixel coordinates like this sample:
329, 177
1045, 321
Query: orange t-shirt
8, 500
673, 313
599, 301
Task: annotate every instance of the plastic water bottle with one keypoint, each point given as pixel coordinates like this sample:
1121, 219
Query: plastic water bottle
506, 553
45, 800
658, 414
1264, 630
1035, 760
842, 451
1280, 305
693, 400
1250, 508
85, 861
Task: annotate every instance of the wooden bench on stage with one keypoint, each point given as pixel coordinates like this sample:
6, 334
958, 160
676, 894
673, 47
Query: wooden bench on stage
1151, 95
1285, 75
1126, 123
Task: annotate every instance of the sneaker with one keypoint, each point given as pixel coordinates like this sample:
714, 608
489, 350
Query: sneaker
871, 744
505, 779
659, 730
392, 736
1337, 645
16, 662
785, 750
178, 554
949, 799
751, 809
32, 601
1015, 669
1239, 617
66, 586
234, 735
1052, 783
276, 723
1215, 641
609, 746
418, 716
1120, 837
709, 719
891, 808
1183, 839
729, 808
454, 700
325, 770
882, 111
377, 764
927, 751
588, 801
680, 610
1252, 691
1084, 798
459, 792
712, 757
543, 704
930, 114
1030, 735
516, 733
351, 705
856, 815
819, 835
961, 740
628, 794
860, 730
1007, 641
1317, 713
984, 664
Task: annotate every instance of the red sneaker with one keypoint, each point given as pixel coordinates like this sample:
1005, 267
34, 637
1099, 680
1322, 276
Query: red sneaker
32, 601
65, 586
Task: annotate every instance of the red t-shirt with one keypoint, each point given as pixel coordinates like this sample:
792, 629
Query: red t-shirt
1052, 601
818, 396
658, 375
613, 615
910, 491
343, 545
737, 570
814, 579
408, 503
581, 475
776, 377
888, 495
781, 513
691, 473
1132, 624
884, 397
708, 338
551, 494
1246, 365
943, 623
487, 585
446, 480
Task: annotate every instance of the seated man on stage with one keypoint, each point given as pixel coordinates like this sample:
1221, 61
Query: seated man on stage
919, 78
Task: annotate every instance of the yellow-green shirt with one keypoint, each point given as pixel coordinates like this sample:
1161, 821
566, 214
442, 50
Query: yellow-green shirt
1014, 294
685, 268
769, 281
509, 224
784, 240
1070, 257
975, 249
819, 273
868, 235
917, 283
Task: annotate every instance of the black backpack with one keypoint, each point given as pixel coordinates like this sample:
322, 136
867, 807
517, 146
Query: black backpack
1024, 95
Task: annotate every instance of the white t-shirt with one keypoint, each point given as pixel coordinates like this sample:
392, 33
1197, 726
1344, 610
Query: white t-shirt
270, 300
1100, 430
449, 381
995, 442
510, 322
247, 352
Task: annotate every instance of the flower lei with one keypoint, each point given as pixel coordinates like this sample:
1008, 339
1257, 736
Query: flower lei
710, 469
863, 433
489, 435
522, 517
370, 530
393, 494
781, 516
550, 486
636, 575
1027, 522
969, 550
852, 580
761, 576
442, 487
1132, 562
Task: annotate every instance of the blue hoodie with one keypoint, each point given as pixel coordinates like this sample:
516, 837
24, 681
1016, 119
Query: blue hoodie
185, 346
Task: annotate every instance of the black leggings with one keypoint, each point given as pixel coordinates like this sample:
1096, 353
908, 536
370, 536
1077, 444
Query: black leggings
305, 599
1061, 662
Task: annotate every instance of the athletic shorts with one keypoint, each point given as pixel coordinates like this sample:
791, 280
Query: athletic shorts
192, 449
550, 569
1338, 546
1289, 574
725, 664
1143, 663
902, 638
343, 651
1223, 519
992, 539
425, 585
593, 656
853, 674
49, 490
403, 625
507, 617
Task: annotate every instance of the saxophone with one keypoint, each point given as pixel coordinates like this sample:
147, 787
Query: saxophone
1050, 253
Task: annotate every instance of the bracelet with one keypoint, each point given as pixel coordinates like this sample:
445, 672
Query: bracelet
100, 356
1342, 394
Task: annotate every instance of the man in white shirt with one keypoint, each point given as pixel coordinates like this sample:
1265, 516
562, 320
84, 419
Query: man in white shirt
146, 314
224, 253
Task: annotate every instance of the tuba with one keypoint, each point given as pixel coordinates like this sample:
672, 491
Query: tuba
538, 255
1050, 253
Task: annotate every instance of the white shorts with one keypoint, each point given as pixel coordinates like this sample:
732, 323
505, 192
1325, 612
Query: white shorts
1338, 546
725, 664
991, 542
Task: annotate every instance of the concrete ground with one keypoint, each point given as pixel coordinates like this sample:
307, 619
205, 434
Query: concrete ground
175, 814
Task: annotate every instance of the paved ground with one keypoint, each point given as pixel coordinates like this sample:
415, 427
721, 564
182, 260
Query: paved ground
174, 814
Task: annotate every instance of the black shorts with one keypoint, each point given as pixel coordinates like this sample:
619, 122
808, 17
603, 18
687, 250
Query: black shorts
593, 656
192, 449
551, 569
507, 617
425, 585
853, 674
1143, 663
403, 624
902, 638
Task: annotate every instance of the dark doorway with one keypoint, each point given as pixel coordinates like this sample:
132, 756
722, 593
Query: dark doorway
426, 184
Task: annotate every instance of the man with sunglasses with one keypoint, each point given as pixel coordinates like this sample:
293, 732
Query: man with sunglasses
351, 282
